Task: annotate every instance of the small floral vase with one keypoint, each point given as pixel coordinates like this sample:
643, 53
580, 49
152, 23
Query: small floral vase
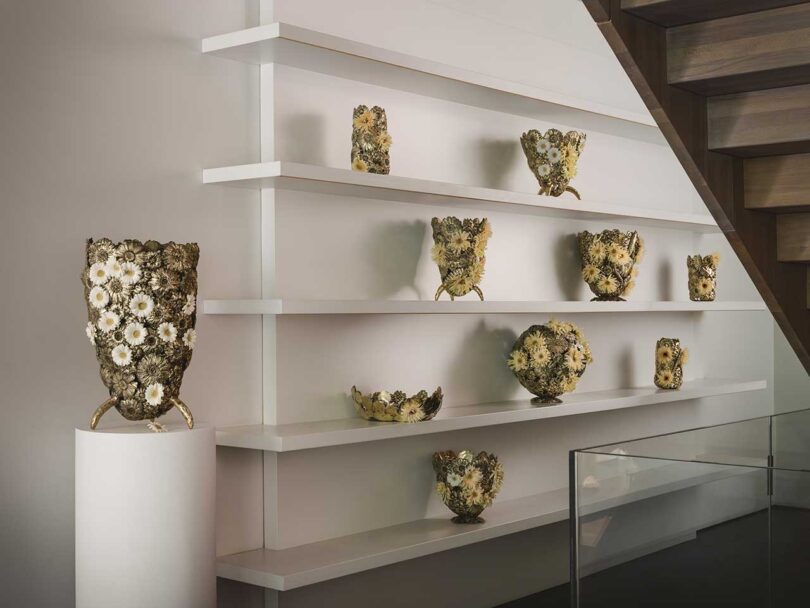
458, 250
548, 360
669, 361
370, 141
609, 261
553, 157
397, 406
702, 276
467, 484
141, 303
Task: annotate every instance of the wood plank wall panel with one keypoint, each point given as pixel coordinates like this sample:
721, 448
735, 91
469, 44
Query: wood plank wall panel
776, 121
743, 53
794, 237
680, 12
777, 182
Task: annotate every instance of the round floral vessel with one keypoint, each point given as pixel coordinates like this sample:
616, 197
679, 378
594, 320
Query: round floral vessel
609, 261
467, 484
370, 140
458, 250
397, 406
670, 358
553, 157
702, 276
141, 304
548, 360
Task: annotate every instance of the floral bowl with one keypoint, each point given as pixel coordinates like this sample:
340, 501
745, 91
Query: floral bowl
396, 406
553, 157
548, 360
458, 250
467, 484
609, 261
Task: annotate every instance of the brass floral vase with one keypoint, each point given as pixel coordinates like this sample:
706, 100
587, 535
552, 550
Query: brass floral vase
548, 360
670, 358
141, 304
467, 484
609, 261
370, 141
702, 276
553, 157
458, 250
397, 406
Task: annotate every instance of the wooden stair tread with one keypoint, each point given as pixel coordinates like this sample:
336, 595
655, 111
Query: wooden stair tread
747, 52
681, 12
777, 183
775, 121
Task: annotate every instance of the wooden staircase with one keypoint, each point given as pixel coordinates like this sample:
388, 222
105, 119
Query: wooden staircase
728, 82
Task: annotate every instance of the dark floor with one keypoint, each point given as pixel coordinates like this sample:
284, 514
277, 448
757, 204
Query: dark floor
726, 565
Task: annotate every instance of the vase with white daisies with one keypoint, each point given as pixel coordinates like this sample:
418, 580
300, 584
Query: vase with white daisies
141, 302
552, 157
609, 260
467, 483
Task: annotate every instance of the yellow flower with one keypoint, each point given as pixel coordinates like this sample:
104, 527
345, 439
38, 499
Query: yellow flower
443, 491
411, 411
569, 385
629, 287
474, 496
534, 340
358, 164
664, 355
570, 163
607, 284
540, 357
618, 254
590, 273
364, 121
664, 378
459, 241
486, 230
558, 327
640, 250
682, 360
633, 272
715, 258
575, 359
480, 246
439, 254
460, 285
518, 361
384, 140
703, 287
597, 252
472, 477
477, 272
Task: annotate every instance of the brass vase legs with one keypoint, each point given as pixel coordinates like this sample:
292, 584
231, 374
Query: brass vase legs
110, 403
442, 289
574, 192
183, 409
100, 411
546, 191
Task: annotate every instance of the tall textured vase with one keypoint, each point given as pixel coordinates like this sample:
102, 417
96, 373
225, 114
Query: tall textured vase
458, 250
702, 276
371, 141
670, 357
141, 304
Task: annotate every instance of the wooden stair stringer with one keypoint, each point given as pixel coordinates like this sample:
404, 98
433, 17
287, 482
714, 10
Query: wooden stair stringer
641, 48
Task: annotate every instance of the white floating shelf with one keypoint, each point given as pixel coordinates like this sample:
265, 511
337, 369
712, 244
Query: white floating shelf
344, 182
307, 435
298, 47
316, 562
423, 307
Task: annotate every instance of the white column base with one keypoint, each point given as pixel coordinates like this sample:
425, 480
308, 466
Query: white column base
145, 506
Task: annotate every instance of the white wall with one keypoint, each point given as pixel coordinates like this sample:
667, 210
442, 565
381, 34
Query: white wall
108, 113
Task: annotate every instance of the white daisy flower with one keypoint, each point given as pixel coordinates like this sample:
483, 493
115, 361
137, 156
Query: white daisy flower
91, 333
135, 334
190, 305
154, 393
99, 297
141, 305
543, 145
554, 155
113, 267
454, 480
543, 170
167, 332
130, 273
190, 338
98, 274
122, 355
108, 321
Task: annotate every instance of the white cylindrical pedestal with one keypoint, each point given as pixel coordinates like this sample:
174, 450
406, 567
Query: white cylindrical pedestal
145, 505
